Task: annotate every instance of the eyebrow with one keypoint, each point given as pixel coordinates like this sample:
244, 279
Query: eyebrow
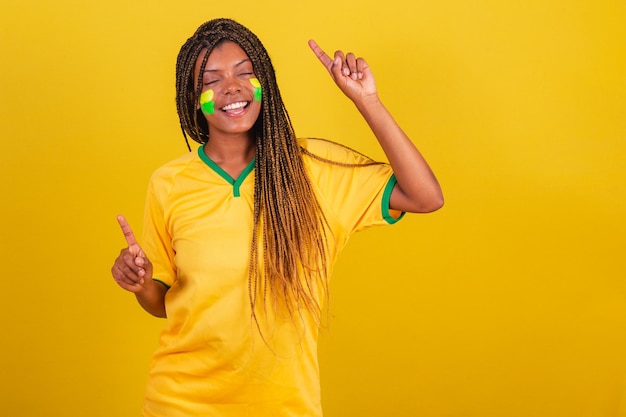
243, 61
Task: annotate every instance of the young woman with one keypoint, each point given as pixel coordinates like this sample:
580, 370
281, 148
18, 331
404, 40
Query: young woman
240, 237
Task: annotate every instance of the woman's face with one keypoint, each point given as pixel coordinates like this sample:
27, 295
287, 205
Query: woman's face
231, 95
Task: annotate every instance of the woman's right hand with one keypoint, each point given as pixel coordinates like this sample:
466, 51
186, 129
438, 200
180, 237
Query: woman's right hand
132, 268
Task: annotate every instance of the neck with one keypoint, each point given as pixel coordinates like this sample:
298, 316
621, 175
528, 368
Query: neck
233, 149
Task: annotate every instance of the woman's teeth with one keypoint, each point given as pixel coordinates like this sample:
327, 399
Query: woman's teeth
234, 106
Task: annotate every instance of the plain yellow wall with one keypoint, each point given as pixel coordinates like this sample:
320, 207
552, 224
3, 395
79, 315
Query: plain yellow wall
511, 301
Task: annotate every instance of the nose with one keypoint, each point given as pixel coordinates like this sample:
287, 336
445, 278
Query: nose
231, 86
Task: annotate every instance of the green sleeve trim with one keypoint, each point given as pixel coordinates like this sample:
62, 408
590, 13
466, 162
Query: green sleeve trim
158, 280
386, 197
235, 183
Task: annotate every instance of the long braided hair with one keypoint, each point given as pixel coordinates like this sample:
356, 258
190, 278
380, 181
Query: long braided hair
289, 224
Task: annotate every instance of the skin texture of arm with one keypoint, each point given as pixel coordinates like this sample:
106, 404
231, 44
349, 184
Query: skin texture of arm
417, 190
152, 298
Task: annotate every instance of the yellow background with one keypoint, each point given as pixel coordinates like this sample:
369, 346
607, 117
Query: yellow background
510, 301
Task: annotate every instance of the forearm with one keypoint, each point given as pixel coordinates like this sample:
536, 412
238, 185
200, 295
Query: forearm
417, 189
152, 297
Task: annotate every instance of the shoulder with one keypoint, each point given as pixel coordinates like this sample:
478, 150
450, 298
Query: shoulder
164, 178
329, 151
174, 167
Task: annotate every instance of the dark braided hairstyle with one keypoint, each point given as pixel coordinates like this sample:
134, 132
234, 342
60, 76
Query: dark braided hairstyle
289, 224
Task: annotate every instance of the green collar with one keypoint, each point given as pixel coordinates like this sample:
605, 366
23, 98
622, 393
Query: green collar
236, 183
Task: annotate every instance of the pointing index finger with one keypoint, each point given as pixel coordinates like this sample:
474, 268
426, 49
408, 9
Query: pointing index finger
128, 232
321, 55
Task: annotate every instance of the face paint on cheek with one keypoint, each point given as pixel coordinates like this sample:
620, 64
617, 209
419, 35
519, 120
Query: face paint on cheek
258, 92
206, 102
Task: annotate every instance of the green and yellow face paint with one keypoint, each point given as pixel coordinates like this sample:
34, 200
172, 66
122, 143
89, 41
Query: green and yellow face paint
258, 92
207, 104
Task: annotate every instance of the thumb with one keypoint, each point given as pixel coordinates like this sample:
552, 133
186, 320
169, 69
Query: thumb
336, 67
142, 261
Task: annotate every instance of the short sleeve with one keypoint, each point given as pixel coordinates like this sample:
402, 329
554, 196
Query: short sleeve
356, 194
157, 242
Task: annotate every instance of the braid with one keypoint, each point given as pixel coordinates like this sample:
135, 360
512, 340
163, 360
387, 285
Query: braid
288, 222
288, 251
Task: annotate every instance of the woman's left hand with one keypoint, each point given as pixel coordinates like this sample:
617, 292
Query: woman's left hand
351, 74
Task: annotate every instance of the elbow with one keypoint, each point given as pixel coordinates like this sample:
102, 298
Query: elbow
439, 204
435, 200
426, 202
421, 201
430, 205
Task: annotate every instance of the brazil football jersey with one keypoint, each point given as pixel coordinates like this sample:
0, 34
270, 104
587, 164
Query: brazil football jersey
211, 359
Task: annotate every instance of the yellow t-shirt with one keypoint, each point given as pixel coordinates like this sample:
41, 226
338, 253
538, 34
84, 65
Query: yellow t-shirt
211, 360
